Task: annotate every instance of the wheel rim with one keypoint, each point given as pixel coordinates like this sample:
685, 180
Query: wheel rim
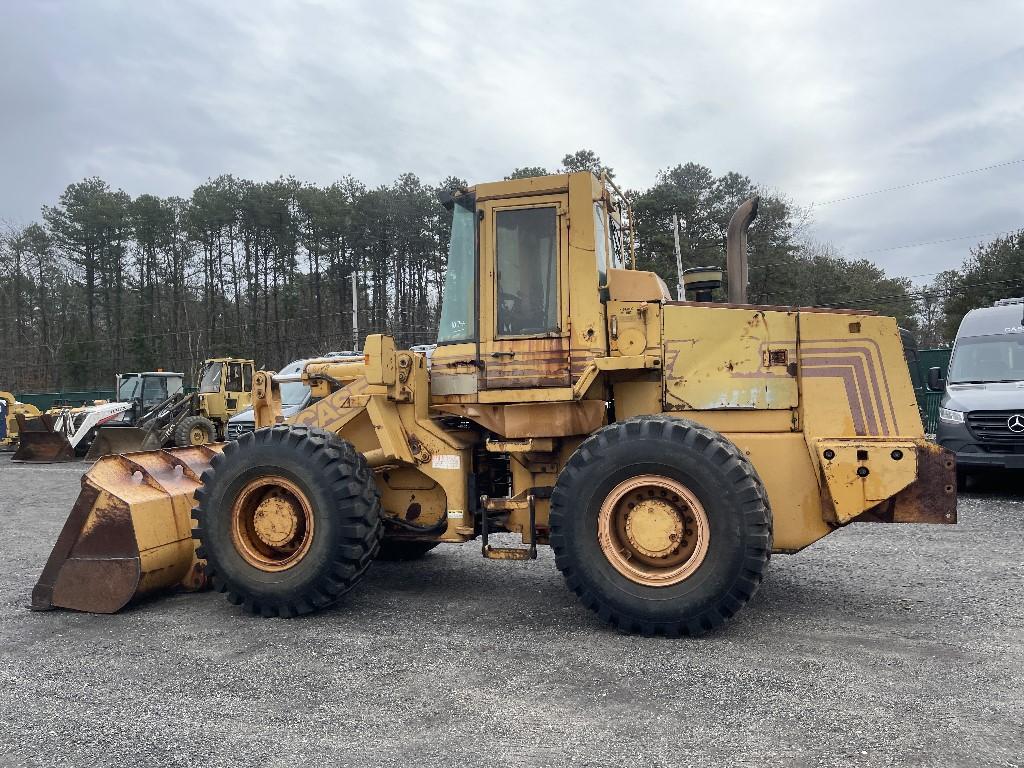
272, 523
653, 530
198, 436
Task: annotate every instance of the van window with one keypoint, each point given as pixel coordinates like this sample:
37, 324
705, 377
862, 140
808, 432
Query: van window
982, 359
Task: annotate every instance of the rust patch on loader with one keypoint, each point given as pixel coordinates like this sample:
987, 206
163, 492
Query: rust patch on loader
931, 499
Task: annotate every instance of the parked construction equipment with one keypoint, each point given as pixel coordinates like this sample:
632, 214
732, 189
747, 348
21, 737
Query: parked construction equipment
663, 449
63, 434
10, 409
184, 420
152, 411
225, 389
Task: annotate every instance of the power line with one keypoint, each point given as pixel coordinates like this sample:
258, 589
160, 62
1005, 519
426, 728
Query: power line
935, 242
907, 296
919, 183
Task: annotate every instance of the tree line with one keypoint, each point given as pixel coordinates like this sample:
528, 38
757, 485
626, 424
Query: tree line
107, 283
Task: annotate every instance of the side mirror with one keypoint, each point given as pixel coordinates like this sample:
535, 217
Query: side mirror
935, 381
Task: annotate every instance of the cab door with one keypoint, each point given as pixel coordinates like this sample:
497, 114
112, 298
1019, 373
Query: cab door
525, 333
233, 386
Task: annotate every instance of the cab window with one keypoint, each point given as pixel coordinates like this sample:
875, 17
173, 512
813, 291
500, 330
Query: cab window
234, 379
247, 378
211, 378
154, 391
600, 243
526, 256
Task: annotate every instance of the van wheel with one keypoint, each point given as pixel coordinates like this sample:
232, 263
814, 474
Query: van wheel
661, 526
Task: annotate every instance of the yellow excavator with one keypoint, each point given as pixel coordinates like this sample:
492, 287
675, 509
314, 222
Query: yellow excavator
664, 449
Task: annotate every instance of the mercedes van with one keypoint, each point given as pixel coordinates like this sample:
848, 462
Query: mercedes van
981, 414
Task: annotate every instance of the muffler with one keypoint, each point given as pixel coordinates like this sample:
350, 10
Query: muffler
736, 249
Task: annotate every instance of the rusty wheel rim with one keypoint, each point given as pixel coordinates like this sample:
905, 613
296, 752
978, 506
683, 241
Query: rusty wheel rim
653, 530
272, 523
198, 436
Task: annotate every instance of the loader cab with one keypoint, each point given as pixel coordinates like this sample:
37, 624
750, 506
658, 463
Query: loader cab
147, 390
522, 307
225, 387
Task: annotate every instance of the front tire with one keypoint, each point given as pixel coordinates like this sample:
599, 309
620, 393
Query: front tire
195, 430
661, 526
287, 519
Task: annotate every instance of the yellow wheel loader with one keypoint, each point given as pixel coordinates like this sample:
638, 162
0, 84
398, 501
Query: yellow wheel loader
225, 389
10, 410
663, 449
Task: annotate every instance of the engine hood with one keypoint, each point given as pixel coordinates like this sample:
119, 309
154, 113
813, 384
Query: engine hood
997, 396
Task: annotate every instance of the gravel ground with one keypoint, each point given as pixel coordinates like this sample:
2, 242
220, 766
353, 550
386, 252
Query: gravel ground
881, 645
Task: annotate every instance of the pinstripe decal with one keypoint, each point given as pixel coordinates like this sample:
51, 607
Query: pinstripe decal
871, 405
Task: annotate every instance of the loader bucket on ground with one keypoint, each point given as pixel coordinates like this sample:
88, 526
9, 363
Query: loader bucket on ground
39, 441
129, 533
113, 440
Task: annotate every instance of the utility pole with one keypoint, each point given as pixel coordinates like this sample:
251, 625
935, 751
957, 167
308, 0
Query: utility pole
680, 292
355, 313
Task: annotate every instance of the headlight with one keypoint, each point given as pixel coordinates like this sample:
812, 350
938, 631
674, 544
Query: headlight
953, 417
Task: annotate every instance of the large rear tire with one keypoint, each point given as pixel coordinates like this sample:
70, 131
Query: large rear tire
287, 519
661, 526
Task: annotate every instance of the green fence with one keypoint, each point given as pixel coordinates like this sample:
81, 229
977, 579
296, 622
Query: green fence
933, 358
927, 400
45, 400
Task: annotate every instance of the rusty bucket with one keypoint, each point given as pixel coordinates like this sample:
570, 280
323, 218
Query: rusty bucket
129, 533
116, 439
39, 441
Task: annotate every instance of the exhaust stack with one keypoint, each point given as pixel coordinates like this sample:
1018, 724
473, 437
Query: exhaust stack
736, 249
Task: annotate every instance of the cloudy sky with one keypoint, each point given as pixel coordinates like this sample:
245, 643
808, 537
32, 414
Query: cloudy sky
818, 100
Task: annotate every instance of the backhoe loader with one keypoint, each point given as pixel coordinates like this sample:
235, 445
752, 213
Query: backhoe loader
66, 433
663, 449
184, 420
152, 410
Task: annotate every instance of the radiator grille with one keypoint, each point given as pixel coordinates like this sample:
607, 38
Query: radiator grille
997, 427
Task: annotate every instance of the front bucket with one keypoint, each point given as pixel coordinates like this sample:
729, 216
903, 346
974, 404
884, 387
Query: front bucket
39, 441
113, 440
129, 533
